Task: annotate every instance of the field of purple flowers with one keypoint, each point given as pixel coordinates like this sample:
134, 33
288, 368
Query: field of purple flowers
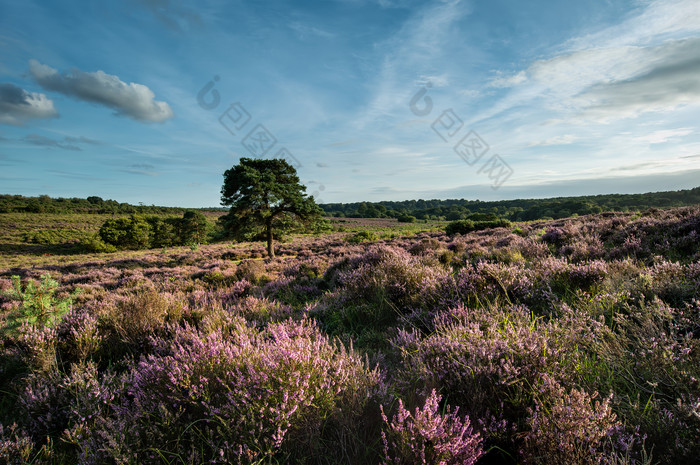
575, 341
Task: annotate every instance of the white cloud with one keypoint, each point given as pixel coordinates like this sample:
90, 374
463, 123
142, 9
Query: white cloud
509, 81
666, 135
305, 31
558, 140
410, 58
659, 21
650, 62
133, 100
470, 93
17, 105
435, 81
671, 78
603, 84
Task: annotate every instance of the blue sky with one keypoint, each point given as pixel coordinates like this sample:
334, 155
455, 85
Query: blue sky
152, 100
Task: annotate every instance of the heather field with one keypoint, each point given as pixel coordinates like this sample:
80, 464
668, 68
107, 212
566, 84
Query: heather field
570, 341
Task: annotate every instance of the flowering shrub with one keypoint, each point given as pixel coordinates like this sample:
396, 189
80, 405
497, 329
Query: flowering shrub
17, 448
428, 437
391, 275
570, 428
183, 356
484, 361
234, 397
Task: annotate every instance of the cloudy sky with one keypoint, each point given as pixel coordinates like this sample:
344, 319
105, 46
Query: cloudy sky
152, 100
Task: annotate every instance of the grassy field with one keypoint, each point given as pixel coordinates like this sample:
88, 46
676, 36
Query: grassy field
48, 238
44, 238
570, 341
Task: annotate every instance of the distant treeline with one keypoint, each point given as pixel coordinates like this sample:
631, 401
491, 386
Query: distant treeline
92, 204
514, 210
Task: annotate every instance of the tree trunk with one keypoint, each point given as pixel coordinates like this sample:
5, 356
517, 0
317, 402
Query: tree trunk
270, 248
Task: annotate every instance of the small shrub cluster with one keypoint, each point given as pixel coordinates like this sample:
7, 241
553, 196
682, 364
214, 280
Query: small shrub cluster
429, 437
136, 232
361, 237
467, 226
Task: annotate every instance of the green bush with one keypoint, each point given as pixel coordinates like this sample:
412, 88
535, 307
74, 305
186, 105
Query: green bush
96, 245
406, 219
460, 227
361, 237
193, 227
53, 236
467, 226
138, 232
126, 233
499, 223
164, 232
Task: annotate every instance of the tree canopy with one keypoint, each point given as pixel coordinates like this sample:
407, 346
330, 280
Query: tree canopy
266, 199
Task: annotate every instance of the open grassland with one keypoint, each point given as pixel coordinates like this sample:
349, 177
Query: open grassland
573, 341
46, 238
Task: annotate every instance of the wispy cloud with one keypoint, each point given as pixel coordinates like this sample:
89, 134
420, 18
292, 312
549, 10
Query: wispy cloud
409, 56
648, 63
82, 140
558, 140
143, 169
74, 175
6, 160
665, 135
433, 80
672, 78
305, 31
659, 20
173, 15
508, 81
43, 141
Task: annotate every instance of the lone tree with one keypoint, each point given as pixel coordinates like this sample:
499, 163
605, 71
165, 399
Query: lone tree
265, 196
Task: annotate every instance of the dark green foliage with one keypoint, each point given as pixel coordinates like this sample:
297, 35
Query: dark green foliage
266, 198
93, 204
467, 226
193, 227
126, 233
164, 231
136, 232
460, 227
54, 236
96, 245
514, 210
362, 236
406, 219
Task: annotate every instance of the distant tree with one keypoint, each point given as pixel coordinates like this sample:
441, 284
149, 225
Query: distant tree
193, 227
460, 227
35, 206
454, 216
266, 198
163, 231
126, 233
467, 226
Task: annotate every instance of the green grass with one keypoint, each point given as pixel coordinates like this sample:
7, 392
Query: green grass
36, 239
39, 239
385, 227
